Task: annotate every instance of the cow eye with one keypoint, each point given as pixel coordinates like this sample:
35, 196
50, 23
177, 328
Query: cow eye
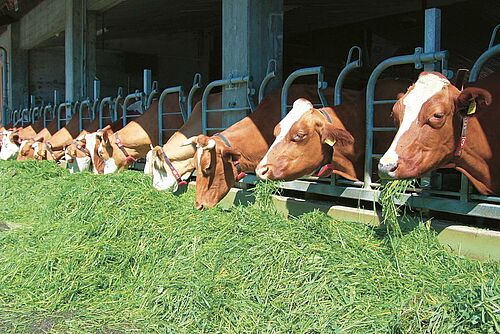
439, 115
298, 137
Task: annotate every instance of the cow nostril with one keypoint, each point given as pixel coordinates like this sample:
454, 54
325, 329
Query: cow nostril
263, 171
387, 168
199, 206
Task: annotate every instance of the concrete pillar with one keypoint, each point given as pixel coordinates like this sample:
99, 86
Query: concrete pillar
252, 33
74, 50
18, 70
90, 45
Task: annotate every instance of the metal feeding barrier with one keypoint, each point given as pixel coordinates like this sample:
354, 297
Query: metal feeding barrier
112, 105
270, 74
185, 114
226, 83
350, 65
322, 85
69, 109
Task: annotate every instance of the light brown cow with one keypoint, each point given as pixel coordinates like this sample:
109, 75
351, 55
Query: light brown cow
27, 150
332, 138
120, 149
441, 126
180, 156
223, 159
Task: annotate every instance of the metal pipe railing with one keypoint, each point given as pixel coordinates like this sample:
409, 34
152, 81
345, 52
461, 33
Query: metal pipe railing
134, 96
319, 71
119, 97
48, 108
221, 83
172, 90
109, 102
270, 74
194, 88
349, 67
418, 59
152, 95
64, 105
90, 112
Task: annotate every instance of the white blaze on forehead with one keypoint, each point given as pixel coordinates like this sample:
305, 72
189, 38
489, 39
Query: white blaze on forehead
300, 107
426, 86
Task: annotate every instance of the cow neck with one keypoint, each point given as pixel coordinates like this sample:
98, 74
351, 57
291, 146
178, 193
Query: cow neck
60, 139
130, 159
133, 138
236, 163
327, 168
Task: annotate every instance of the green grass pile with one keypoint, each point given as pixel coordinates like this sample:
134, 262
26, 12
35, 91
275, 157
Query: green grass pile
108, 254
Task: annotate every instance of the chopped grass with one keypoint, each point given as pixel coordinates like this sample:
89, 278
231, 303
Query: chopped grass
108, 254
390, 193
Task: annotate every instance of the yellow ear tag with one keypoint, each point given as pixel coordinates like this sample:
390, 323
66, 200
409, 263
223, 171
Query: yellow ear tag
330, 142
472, 108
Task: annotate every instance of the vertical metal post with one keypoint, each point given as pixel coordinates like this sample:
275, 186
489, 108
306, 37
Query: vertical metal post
56, 99
147, 82
432, 35
97, 89
32, 101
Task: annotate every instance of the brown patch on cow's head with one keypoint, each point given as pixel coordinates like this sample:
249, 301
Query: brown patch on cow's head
429, 117
216, 173
306, 145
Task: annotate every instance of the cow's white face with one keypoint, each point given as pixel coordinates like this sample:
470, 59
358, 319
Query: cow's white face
9, 149
77, 165
90, 143
110, 166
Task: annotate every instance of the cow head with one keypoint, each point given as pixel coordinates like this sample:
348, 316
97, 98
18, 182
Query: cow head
304, 141
429, 116
215, 170
10, 145
77, 156
157, 167
92, 143
113, 158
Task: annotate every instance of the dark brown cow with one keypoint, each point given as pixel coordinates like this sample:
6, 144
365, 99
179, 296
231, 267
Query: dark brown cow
220, 160
120, 149
309, 138
440, 127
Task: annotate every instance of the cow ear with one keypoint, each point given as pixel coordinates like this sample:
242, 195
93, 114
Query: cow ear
277, 130
231, 153
480, 96
105, 136
40, 140
15, 138
331, 135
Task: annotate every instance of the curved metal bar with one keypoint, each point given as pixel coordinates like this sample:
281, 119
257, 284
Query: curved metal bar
64, 105
476, 68
220, 83
86, 103
118, 99
49, 109
137, 96
194, 88
171, 90
318, 70
271, 74
493, 36
106, 101
418, 58
35, 113
15, 117
350, 65
153, 94
25, 116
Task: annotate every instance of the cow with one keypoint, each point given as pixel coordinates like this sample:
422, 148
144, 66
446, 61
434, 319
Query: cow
441, 126
327, 140
10, 144
122, 148
27, 150
224, 158
173, 157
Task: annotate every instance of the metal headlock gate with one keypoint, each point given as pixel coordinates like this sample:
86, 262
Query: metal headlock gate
228, 83
182, 106
112, 104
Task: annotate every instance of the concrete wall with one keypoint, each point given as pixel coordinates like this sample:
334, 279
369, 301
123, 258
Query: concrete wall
46, 73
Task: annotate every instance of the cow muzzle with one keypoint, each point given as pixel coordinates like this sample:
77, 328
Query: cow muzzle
387, 170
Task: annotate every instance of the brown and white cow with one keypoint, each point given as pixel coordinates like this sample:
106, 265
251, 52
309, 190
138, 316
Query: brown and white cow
327, 140
120, 149
27, 150
439, 127
179, 155
221, 160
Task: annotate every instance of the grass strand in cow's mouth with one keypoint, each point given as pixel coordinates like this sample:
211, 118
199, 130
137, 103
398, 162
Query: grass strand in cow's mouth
109, 254
390, 194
